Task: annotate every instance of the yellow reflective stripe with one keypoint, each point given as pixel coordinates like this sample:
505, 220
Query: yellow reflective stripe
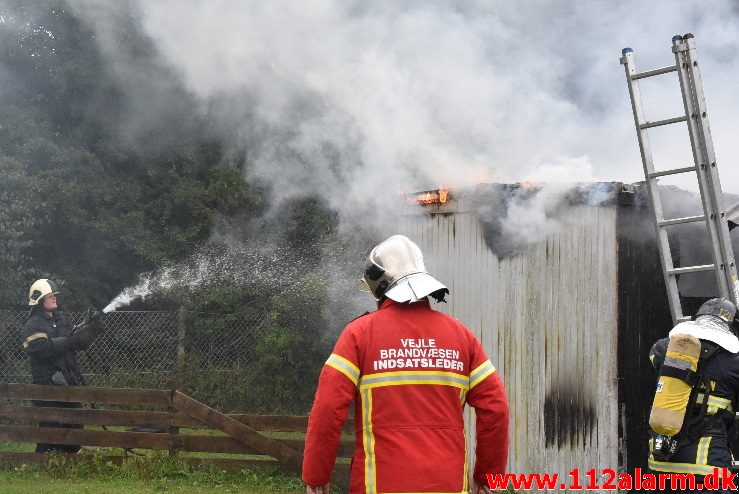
663, 466
480, 373
701, 457
413, 377
344, 366
370, 476
715, 402
465, 480
33, 337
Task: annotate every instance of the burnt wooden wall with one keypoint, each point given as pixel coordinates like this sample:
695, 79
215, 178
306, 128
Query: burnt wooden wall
643, 318
548, 319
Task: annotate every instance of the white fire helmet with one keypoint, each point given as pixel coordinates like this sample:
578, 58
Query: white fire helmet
395, 270
40, 289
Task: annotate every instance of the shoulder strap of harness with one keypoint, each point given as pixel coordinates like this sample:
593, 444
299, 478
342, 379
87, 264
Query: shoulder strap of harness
694, 427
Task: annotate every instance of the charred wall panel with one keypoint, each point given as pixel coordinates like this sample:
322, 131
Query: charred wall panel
547, 317
643, 318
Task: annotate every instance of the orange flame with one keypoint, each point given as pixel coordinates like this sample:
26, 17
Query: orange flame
439, 196
529, 184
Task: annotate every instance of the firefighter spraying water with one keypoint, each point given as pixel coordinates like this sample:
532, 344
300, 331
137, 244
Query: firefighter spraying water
52, 343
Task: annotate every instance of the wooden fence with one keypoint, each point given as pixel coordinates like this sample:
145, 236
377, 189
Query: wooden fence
186, 425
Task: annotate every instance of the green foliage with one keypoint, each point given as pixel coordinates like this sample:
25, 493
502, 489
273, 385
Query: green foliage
15, 219
80, 202
291, 349
279, 374
95, 192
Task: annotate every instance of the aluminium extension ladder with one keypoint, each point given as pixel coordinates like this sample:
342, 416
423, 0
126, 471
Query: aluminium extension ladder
704, 165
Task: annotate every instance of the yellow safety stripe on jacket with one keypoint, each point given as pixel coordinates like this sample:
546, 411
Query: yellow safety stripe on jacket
344, 366
664, 466
715, 403
370, 475
369, 382
701, 456
462, 395
480, 373
33, 337
465, 473
413, 377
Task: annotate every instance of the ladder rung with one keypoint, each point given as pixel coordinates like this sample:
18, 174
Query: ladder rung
650, 73
691, 269
679, 221
649, 125
674, 171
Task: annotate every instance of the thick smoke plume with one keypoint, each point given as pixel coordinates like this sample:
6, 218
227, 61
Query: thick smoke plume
354, 101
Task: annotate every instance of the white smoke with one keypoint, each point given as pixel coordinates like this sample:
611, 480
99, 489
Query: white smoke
352, 99
530, 220
356, 100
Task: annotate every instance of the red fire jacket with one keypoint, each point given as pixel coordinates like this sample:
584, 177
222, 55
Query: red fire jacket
411, 370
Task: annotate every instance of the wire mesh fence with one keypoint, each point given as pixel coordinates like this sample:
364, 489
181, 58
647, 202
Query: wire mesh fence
225, 360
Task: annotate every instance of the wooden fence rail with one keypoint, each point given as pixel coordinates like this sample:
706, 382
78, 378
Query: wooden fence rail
166, 420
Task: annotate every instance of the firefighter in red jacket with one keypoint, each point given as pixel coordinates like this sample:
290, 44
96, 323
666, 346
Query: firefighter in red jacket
411, 371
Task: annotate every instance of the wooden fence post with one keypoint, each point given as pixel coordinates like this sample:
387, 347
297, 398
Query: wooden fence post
175, 442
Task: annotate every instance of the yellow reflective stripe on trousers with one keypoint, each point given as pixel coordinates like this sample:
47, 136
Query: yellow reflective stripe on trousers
665, 466
370, 475
701, 456
401, 378
480, 373
344, 366
33, 337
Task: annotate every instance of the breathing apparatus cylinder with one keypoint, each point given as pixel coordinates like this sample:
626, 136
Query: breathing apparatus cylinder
673, 392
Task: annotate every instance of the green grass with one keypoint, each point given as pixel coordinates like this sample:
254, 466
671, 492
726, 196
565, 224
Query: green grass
154, 472
11, 447
151, 474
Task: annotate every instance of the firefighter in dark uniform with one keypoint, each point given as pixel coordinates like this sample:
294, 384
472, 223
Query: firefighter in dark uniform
713, 429
52, 342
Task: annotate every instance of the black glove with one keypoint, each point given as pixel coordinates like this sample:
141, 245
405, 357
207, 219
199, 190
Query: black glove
84, 334
82, 338
94, 318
